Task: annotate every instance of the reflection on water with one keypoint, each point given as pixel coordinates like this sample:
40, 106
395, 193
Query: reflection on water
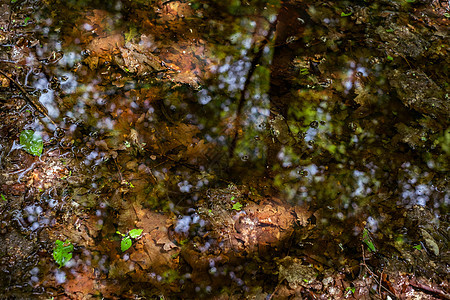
164, 130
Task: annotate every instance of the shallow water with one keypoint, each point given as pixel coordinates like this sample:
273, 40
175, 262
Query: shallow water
178, 117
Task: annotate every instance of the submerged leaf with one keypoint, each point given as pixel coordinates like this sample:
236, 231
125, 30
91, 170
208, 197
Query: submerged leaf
237, 206
134, 233
125, 244
31, 142
62, 252
368, 241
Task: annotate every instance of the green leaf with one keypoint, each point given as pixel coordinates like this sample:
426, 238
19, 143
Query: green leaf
343, 14
31, 142
418, 247
134, 233
447, 15
390, 30
62, 252
125, 244
3, 197
304, 71
130, 35
237, 206
368, 241
390, 57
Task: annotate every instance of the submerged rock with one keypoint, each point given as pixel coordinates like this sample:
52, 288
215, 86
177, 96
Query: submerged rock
240, 226
416, 90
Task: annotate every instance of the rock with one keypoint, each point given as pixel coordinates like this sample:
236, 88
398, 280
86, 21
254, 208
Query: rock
416, 90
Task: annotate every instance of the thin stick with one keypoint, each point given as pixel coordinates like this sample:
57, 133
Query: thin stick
36, 104
429, 289
254, 63
381, 280
276, 289
375, 275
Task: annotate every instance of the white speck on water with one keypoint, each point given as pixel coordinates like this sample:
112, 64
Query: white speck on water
34, 226
183, 224
60, 276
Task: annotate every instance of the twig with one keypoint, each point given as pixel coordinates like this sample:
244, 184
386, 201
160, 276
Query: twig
375, 276
118, 169
169, 1
381, 280
36, 104
276, 289
429, 289
254, 63
365, 265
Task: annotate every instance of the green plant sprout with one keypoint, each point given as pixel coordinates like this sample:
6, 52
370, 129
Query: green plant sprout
31, 142
350, 289
66, 176
237, 206
3, 197
126, 242
368, 241
62, 252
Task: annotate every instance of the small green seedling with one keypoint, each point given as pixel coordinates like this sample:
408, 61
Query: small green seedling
31, 142
343, 14
237, 206
350, 289
129, 184
3, 197
126, 242
368, 241
418, 247
62, 252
